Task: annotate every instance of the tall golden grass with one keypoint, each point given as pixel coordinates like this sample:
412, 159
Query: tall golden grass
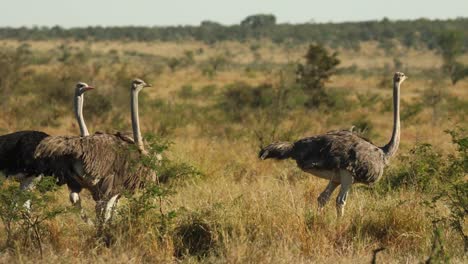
243, 210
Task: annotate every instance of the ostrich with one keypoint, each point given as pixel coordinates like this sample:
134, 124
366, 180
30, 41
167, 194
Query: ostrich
105, 164
342, 157
17, 153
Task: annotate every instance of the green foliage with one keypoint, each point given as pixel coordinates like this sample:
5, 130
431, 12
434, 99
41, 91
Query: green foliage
173, 172
97, 105
12, 67
146, 212
411, 110
214, 64
438, 251
457, 71
312, 75
175, 63
25, 225
422, 169
442, 178
454, 191
259, 21
411, 33
451, 46
319, 67
332, 100
240, 97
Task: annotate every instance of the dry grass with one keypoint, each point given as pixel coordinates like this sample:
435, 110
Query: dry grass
244, 210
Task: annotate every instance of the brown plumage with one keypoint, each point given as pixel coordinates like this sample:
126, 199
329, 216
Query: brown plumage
341, 156
108, 164
105, 164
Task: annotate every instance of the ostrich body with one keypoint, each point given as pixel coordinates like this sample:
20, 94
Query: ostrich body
17, 154
17, 157
105, 164
342, 157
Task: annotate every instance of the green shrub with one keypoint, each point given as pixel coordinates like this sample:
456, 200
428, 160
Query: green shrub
421, 169
239, 97
27, 227
454, 191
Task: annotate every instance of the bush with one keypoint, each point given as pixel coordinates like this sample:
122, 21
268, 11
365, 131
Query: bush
454, 191
421, 169
240, 96
194, 236
25, 224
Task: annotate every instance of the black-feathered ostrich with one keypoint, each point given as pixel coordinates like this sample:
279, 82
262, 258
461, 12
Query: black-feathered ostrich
17, 152
105, 164
342, 157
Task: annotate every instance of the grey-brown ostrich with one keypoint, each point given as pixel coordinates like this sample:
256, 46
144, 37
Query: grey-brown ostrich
105, 164
342, 157
17, 152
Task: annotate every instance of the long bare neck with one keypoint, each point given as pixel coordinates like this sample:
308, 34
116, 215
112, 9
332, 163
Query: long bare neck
392, 146
79, 115
136, 121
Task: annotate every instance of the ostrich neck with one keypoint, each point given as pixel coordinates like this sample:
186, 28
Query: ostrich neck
392, 146
136, 121
79, 115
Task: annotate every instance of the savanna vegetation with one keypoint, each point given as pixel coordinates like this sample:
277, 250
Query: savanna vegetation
219, 93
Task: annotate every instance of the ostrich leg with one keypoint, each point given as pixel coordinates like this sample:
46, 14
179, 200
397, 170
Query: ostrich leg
27, 183
346, 181
104, 212
110, 208
325, 195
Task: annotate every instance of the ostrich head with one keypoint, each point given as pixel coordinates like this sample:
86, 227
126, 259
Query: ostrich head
399, 77
139, 84
81, 88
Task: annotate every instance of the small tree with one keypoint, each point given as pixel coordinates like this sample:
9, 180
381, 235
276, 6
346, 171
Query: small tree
451, 46
317, 70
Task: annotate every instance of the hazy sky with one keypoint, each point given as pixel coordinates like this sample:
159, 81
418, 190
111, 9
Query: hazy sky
69, 13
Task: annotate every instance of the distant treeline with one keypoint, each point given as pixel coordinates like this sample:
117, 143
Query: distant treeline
411, 33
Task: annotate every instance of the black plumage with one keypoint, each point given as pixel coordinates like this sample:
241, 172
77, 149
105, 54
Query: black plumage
17, 154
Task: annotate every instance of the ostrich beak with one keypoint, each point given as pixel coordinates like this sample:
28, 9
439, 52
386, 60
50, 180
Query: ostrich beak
148, 85
88, 88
